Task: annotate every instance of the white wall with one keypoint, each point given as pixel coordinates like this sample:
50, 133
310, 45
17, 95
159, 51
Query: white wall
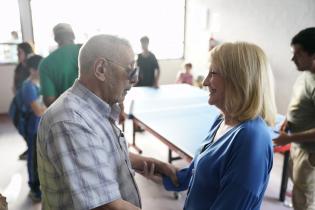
268, 23
6, 84
169, 69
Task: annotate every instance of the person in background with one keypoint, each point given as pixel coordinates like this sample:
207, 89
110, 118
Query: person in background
149, 73
300, 122
60, 68
149, 70
3, 203
14, 37
21, 73
186, 76
83, 159
231, 169
34, 110
199, 81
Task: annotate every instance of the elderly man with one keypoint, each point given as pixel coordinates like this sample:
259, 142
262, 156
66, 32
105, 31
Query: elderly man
83, 160
59, 70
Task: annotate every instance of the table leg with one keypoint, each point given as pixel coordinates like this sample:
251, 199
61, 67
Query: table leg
134, 139
285, 175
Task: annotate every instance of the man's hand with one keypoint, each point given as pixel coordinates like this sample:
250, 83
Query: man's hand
168, 170
282, 139
121, 118
149, 173
154, 173
284, 126
144, 165
156, 84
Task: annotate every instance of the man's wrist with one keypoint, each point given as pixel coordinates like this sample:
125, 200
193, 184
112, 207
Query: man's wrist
158, 165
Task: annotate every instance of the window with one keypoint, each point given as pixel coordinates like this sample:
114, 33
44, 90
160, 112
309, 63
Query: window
10, 31
162, 21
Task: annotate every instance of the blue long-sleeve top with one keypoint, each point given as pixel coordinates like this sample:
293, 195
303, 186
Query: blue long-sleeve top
232, 173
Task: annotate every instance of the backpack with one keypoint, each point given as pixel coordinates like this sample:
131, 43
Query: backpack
18, 113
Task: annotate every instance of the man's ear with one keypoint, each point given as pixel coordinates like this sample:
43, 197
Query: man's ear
100, 69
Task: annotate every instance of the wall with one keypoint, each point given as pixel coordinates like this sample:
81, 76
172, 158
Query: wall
6, 84
169, 70
270, 24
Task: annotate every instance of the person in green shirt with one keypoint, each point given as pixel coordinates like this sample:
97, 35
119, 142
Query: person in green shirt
60, 68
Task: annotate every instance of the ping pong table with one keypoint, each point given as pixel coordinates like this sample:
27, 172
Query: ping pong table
178, 115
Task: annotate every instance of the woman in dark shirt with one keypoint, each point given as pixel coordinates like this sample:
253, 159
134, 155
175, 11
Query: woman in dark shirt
21, 72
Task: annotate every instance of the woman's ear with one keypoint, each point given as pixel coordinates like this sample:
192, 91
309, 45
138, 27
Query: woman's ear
100, 69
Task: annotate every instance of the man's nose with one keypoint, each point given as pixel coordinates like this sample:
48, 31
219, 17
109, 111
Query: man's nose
134, 80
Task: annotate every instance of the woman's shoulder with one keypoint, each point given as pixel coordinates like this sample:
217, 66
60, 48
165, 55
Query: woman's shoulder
255, 124
255, 129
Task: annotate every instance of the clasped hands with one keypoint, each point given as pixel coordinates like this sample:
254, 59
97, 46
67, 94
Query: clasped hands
155, 170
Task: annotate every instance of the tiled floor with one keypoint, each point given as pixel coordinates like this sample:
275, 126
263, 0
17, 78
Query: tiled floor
13, 175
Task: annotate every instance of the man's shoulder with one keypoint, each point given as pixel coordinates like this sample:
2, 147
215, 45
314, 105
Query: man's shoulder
60, 51
151, 54
67, 107
59, 54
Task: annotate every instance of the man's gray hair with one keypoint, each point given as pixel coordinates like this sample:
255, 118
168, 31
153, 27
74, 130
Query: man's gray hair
100, 46
63, 32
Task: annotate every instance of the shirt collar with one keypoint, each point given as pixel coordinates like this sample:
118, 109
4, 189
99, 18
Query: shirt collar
95, 102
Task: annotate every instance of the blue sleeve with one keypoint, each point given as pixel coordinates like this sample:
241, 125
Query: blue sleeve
246, 174
29, 93
183, 176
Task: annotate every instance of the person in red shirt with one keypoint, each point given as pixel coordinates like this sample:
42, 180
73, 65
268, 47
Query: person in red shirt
186, 76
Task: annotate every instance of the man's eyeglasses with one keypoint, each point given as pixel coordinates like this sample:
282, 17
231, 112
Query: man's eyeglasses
132, 72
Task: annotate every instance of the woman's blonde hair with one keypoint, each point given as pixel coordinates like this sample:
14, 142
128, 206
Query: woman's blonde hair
249, 85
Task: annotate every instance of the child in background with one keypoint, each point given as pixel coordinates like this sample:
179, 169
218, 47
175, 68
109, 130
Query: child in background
199, 82
186, 77
35, 109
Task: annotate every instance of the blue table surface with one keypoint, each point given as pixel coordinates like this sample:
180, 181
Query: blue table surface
148, 99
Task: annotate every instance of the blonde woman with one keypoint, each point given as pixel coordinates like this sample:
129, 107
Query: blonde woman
231, 169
